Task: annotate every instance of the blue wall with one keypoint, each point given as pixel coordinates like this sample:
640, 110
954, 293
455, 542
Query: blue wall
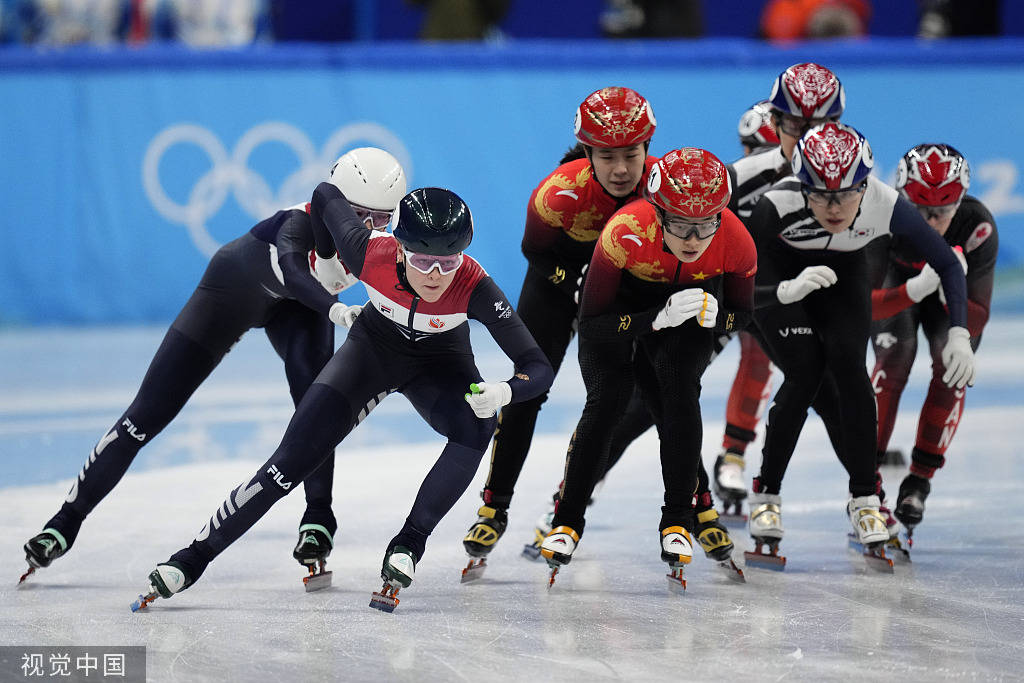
121, 171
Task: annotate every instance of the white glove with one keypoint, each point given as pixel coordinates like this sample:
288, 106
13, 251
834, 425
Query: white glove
810, 279
331, 273
958, 357
486, 399
959, 253
343, 315
684, 305
922, 284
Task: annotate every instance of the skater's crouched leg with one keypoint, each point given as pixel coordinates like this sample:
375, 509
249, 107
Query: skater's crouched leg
447, 480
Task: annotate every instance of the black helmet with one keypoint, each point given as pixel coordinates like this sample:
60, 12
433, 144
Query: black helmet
435, 221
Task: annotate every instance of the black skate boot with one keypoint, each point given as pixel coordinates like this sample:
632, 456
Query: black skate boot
491, 523
398, 571
42, 549
714, 539
167, 579
910, 502
314, 546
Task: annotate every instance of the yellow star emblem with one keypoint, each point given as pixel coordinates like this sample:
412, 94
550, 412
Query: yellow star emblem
699, 276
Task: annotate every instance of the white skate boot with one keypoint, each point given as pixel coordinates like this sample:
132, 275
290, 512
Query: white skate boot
397, 571
729, 485
558, 547
164, 581
677, 550
868, 522
766, 529
870, 532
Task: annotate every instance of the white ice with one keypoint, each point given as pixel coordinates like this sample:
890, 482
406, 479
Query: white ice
956, 613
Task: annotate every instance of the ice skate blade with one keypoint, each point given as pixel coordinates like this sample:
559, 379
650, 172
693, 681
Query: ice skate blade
531, 551
775, 563
144, 601
386, 600
474, 570
676, 582
554, 573
898, 552
30, 572
317, 582
873, 554
732, 572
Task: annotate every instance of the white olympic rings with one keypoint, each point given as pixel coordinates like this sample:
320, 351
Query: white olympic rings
231, 173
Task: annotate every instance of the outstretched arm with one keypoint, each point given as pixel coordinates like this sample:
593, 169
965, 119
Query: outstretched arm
332, 215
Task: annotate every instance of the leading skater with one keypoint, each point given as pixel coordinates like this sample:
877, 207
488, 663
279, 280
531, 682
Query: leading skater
412, 339
262, 279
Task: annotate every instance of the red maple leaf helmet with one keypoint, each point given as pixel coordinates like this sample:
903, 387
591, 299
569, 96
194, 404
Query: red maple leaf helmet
809, 91
689, 182
832, 156
933, 175
756, 128
614, 117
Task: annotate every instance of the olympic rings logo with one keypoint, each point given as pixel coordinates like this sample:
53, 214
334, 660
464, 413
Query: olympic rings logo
230, 173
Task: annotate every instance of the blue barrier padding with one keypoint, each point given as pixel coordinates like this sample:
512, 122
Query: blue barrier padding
122, 170
527, 54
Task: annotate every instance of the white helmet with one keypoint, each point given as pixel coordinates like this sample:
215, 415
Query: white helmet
370, 177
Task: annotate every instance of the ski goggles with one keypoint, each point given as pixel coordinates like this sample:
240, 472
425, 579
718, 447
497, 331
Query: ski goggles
937, 212
797, 125
378, 219
684, 230
842, 198
427, 262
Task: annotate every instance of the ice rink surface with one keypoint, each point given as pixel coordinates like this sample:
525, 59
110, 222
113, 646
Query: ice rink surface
955, 613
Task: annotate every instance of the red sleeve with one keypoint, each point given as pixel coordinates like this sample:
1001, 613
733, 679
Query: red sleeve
886, 303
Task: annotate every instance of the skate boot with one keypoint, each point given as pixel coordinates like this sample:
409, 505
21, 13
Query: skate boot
558, 547
729, 485
677, 550
870, 532
397, 571
540, 531
910, 503
480, 539
765, 526
42, 549
714, 539
167, 579
315, 544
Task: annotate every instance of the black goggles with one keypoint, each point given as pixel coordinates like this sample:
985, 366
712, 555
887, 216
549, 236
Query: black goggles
842, 198
684, 229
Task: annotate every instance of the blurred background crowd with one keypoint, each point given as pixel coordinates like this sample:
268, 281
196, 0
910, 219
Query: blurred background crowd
224, 23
